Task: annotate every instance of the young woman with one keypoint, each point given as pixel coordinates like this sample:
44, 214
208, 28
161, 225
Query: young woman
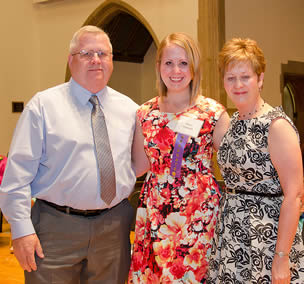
175, 137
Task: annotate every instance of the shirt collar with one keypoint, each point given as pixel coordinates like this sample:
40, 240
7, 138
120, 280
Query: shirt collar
83, 95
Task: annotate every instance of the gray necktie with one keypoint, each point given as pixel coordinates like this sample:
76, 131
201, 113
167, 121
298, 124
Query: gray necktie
104, 154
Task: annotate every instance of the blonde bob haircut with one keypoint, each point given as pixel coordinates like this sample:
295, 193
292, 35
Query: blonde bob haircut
194, 58
84, 30
240, 50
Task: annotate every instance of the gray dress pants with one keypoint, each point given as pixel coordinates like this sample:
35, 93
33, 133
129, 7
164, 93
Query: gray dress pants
82, 250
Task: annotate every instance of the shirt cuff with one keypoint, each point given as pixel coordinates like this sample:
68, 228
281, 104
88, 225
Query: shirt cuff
22, 228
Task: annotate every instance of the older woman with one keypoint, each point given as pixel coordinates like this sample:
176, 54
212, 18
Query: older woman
257, 238
179, 200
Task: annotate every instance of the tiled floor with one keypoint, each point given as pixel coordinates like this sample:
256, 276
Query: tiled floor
10, 271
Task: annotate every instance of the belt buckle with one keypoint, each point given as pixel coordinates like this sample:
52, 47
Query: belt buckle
232, 191
90, 213
87, 213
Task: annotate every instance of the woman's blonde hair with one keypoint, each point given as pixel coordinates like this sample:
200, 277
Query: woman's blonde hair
193, 55
238, 49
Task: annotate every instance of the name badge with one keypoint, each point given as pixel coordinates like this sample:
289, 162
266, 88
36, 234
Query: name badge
189, 126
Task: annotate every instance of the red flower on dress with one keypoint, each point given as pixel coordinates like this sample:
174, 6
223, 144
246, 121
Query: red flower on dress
146, 124
201, 271
178, 269
153, 153
164, 139
137, 260
165, 193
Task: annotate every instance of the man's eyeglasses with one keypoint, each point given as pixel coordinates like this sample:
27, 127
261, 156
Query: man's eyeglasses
88, 55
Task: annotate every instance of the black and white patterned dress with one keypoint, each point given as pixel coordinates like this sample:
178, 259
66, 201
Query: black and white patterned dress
247, 227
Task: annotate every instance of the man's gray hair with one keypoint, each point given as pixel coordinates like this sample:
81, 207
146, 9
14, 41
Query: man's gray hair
83, 30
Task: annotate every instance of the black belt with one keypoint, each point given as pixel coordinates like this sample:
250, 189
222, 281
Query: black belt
72, 211
237, 191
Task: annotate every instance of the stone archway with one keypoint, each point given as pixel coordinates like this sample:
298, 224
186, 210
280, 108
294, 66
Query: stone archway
110, 8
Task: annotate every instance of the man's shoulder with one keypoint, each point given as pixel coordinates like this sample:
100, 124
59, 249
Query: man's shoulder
121, 98
64, 87
48, 96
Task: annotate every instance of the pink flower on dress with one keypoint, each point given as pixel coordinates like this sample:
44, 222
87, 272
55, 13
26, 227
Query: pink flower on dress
156, 218
140, 223
154, 200
194, 203
166, 279
175, 227
190, 181
164, 252
195, 257
149, 277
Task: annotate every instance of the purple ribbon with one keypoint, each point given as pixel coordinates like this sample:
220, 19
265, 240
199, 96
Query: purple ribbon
178, 152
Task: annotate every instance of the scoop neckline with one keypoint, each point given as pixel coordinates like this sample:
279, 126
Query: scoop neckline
236, 114
176, 113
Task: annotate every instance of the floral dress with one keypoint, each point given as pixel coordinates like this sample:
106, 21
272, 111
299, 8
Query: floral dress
246, 232
176, 216
3, 161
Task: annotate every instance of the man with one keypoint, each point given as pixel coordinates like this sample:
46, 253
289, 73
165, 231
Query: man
73, 235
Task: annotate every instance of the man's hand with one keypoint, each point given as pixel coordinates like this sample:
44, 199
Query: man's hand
24, 250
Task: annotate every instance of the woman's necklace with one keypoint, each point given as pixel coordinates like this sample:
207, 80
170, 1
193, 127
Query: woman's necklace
249, 114
175, 106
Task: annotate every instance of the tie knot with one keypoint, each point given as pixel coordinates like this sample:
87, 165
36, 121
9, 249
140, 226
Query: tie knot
93, 100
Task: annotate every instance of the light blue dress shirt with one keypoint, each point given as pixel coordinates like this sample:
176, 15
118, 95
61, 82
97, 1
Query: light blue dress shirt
52, 154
